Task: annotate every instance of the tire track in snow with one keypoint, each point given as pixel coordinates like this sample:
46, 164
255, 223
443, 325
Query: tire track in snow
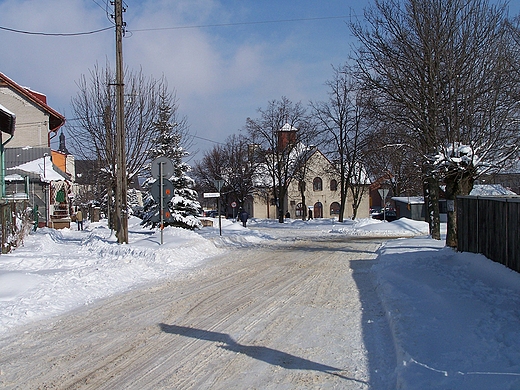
256, 318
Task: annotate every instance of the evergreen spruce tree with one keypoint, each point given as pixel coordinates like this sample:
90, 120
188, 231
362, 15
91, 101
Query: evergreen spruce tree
184, 206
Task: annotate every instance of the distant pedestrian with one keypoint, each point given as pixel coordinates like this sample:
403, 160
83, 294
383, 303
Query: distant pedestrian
79, 219
243, 217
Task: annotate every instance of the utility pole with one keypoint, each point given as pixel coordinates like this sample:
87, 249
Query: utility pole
121, 183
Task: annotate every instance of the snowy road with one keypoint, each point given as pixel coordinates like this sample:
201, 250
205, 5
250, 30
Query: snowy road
293, 313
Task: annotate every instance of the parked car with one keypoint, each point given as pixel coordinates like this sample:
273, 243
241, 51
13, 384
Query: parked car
212, 213
375, 210
388, 215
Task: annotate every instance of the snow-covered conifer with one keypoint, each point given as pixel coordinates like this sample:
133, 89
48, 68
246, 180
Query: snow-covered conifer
183, 206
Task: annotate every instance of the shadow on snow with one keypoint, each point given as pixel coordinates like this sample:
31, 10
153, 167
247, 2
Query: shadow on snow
265, 354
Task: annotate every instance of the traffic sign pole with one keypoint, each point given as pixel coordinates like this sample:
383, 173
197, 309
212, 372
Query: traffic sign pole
219, 184
234, 205
161, 198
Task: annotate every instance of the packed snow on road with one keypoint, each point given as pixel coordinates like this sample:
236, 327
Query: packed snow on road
428, 316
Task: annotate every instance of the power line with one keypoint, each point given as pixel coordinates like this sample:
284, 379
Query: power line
207, 139
170, 28
56, 34
240, 23
105, 8
100, 6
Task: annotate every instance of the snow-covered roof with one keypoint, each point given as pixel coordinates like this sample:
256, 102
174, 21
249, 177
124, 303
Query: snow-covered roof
6, 110
409, 199
288, 127
14, 177
37, 166
490, 190
7, 120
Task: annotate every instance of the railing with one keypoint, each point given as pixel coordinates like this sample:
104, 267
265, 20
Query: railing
490, 226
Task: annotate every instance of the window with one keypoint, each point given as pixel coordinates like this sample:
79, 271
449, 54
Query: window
299, 210
334, 209
317, 184
333, 185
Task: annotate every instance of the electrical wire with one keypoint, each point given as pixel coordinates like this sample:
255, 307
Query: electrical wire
170, 28
100, 6
240, 23
105, 8
207, 139
56, 34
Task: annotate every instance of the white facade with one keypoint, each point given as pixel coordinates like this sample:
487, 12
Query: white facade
34, 118
322, 195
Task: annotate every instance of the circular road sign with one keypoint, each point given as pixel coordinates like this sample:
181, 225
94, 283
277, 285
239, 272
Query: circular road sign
233, 204
167, 167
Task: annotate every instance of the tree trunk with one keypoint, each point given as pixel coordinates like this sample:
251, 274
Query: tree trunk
431, 197
455, 185
451, 200
281, 204
343, 200
301, 187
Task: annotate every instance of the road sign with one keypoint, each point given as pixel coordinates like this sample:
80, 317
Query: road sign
167, 167
167, 217
383, 192
233, 204
218, 184
212, 194
167, 190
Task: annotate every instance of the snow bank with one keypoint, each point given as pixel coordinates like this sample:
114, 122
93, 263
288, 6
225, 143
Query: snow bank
59, 270
453, 316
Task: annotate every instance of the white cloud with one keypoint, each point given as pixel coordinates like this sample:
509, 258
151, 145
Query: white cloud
221, 74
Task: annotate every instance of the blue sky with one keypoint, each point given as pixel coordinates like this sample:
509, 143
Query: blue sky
222, 74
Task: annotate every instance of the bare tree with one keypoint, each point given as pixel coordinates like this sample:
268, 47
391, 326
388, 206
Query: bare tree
93, 135
343, 124
441, 70
277, 133
232, 162
390, 153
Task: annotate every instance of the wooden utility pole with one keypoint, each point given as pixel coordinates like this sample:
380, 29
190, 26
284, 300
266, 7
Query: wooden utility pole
121, 183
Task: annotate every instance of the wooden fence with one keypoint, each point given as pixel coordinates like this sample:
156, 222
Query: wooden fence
15, 223
490, 226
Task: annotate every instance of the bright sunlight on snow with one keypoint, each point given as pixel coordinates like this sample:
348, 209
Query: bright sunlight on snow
453, 316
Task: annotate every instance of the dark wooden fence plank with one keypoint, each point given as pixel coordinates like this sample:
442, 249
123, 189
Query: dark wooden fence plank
490, 226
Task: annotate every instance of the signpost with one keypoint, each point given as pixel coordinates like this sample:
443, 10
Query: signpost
162, 189
383, 192
234, 205
218, 185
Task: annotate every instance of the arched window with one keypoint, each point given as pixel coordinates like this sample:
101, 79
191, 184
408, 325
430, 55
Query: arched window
333, 185
299, 210
318, 210
317, 184
334, 209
